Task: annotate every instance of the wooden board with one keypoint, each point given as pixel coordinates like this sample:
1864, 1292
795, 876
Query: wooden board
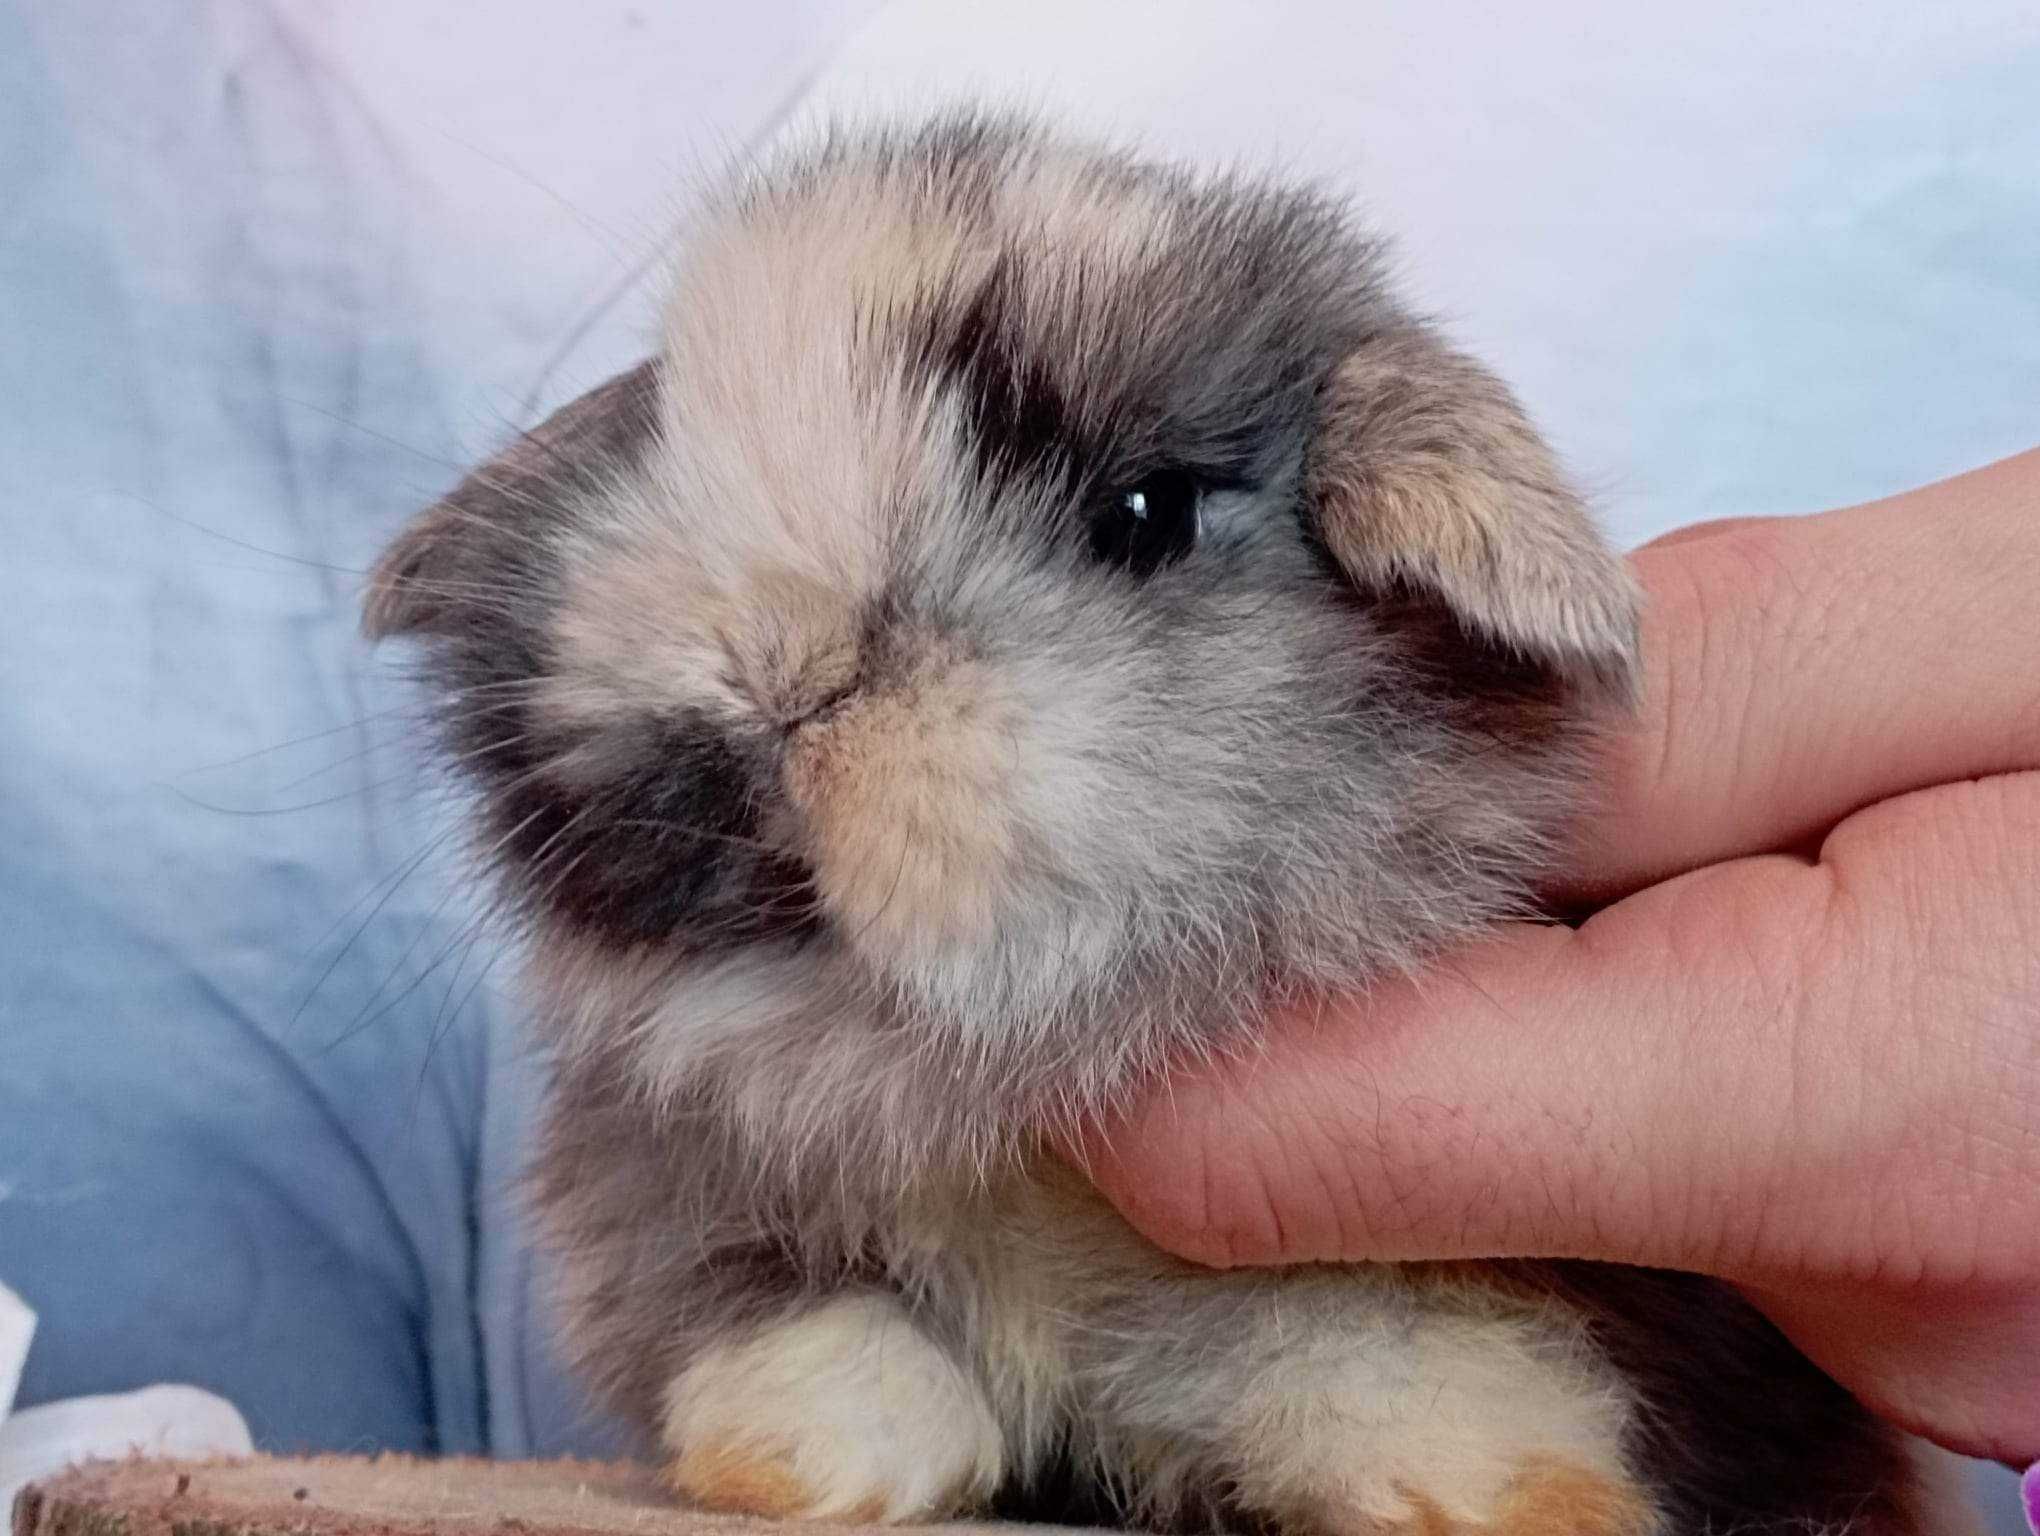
383, 1496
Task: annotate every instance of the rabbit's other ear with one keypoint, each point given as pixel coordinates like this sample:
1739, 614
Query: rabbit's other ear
1426, 479
425, 582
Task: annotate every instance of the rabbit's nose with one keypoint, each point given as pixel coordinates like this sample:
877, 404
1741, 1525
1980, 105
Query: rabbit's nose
820, 707
818, 678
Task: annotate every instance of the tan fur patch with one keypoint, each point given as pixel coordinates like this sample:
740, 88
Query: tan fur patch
1548, 1497
867, 1511
738, 1480
1426, 1518
1429, 476
1552, 1498
742, 1480
904, 793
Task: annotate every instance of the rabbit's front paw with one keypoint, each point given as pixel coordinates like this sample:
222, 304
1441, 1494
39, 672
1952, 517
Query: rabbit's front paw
848, 1412
1492, 1425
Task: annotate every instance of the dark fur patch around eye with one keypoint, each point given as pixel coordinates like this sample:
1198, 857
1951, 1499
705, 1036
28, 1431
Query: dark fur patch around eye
1020, 421
1205, 355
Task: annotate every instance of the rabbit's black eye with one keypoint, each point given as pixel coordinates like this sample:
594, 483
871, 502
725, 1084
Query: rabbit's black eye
1146, 525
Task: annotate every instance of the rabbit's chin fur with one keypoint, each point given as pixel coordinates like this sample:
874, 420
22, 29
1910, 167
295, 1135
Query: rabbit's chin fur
1037, 612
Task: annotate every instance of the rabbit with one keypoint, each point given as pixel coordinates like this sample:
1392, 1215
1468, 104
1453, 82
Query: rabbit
1038, 611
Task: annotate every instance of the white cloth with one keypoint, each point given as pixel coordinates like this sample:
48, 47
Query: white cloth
158, 1421
17, 1327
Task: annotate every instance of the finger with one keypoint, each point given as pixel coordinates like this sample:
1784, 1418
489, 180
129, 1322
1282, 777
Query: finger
1714, 528
1768, 1067
1953, 1364
1798, 669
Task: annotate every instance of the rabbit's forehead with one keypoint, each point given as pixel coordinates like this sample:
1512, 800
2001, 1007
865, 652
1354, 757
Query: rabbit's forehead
845, 345
822, 300
827, 358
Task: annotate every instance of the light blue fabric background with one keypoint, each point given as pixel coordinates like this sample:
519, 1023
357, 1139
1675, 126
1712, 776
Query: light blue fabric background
262, 1106
208, 1171
270, 272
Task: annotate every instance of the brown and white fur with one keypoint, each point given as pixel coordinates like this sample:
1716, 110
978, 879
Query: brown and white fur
1037, 611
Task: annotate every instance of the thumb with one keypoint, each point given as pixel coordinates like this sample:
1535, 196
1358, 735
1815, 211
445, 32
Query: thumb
1768, 1068
1463, 1113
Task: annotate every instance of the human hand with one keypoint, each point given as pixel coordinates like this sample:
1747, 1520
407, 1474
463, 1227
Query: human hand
1797, 1048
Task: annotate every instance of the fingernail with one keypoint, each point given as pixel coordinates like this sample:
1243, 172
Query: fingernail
2029, 1496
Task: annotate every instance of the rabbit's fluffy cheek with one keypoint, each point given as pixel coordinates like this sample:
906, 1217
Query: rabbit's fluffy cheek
907, 799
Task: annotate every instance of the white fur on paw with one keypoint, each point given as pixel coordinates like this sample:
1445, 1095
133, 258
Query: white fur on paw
1464, 1425
848, 1412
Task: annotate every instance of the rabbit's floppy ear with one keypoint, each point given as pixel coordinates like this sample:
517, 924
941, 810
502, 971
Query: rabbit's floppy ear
426, 580
1426, 478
